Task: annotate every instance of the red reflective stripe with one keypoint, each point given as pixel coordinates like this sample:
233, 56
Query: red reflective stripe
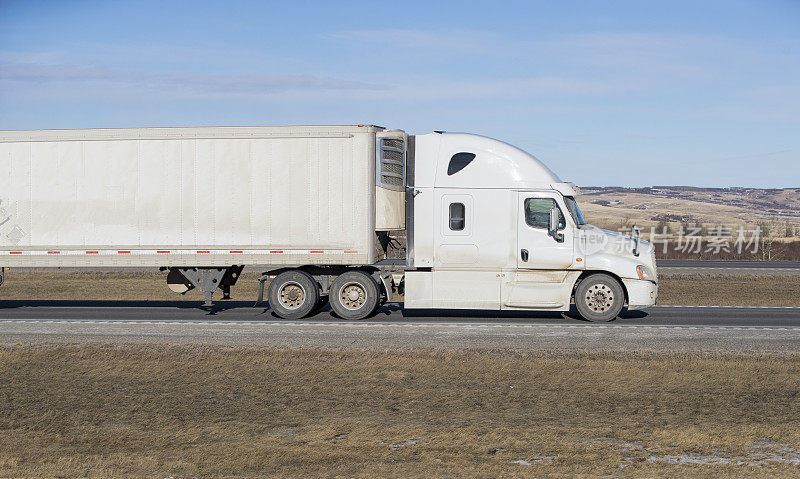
16, 252
92, 252
123, 252
317, 251
162, 252
236, 252
200, 252
277, 251
54, 252
351, 251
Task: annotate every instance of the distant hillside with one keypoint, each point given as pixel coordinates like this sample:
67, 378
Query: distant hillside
775, 211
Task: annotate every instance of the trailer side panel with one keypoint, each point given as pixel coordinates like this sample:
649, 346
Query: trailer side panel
188, 196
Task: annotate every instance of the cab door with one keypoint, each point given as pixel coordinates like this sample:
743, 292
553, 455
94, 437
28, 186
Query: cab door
536, 248
541, 280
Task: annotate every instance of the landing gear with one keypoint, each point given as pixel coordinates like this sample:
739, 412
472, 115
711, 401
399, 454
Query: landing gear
207, 280
2, 275
229, 279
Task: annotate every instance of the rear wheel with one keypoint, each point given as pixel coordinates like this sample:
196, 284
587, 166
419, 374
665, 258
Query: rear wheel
354, 295
599, 298
293, 294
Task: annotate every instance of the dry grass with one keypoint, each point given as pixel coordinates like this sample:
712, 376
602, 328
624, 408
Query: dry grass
158, 411
140, 286
703, 290
729, 290
730, 208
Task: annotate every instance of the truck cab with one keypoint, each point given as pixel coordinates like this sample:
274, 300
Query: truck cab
491, 227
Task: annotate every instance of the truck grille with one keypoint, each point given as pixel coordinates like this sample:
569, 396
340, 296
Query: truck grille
391, 163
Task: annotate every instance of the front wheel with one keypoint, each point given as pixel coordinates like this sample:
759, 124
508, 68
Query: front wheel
599, 298
354, 295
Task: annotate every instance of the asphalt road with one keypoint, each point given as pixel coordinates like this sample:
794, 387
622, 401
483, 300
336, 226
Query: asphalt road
237, 323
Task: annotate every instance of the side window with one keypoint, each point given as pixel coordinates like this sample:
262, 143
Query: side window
537, 212
458, 162
457, 216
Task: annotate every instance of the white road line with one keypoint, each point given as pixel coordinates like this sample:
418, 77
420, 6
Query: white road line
720, 307
400, 325
729, 268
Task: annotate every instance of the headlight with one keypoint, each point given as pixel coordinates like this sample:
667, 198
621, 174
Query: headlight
644, 273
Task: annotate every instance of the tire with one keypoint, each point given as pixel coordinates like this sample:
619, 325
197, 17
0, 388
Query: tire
293, 294
599, 298
354, 295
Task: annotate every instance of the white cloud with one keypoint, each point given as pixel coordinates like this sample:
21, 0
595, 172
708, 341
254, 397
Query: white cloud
609, 62
226, 84
498, 88
81, 81
599, 65
422, 39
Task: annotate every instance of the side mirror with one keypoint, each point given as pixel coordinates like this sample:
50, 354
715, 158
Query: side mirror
552, 229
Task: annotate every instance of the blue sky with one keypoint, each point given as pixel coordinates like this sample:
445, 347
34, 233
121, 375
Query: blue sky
606, 93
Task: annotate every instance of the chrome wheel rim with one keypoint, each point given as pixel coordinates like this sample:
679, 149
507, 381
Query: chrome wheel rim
353, 296
292, 295
600, 298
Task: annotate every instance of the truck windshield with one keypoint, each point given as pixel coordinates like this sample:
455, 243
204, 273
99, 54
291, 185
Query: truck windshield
572, 206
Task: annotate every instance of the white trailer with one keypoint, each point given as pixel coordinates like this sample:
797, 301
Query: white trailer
488, 226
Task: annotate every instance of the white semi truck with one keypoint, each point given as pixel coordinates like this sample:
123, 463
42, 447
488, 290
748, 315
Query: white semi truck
488, 226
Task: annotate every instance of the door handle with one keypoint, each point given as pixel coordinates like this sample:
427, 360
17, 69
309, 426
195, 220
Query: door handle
524, 254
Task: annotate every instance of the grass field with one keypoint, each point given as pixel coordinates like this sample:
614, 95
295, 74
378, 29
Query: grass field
774, 209
704, 290
168, 411
138, 286
729, 290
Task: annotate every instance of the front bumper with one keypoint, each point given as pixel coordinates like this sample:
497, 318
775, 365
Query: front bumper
641, 293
